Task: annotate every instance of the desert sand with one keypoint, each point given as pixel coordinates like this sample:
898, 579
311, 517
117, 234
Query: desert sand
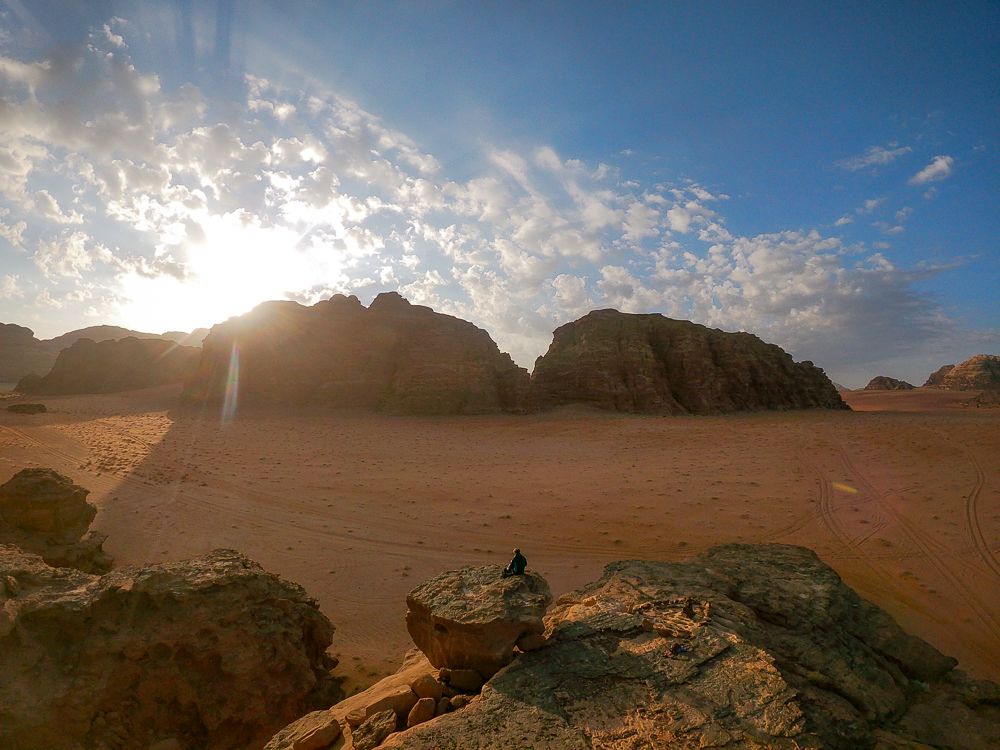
901, 497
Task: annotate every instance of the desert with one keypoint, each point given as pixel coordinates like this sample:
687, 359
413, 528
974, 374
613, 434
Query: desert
901, 496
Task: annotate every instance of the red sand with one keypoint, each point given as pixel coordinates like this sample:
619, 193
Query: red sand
902, 497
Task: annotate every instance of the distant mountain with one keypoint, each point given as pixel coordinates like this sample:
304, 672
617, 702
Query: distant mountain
976, 373
114, 365
885, 383
22, 354
653, 364
935, 378
840, 388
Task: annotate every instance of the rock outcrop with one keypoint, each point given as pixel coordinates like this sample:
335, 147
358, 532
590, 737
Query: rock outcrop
653, 364
471, 619
935, 378
109, 366
43, 512
22, 354
981, 372
746, 646
391, 356
27, 408
885, 383
209, 653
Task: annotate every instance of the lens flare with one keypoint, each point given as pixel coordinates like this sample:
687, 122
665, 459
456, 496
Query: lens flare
841, 487
232, 386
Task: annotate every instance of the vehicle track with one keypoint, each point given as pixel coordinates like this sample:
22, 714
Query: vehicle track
972, 517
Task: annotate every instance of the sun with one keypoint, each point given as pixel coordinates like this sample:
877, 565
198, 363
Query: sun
237, 265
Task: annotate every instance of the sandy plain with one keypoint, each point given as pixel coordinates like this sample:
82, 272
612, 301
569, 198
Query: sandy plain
901, 497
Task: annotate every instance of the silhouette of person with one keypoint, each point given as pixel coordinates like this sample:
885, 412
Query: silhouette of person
517, 565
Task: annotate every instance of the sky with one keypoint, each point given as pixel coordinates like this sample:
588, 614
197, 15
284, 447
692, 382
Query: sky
825, 176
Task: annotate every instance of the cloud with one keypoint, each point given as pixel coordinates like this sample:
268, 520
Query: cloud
9, 287
940, 168
843, 221
870, 205
875, 156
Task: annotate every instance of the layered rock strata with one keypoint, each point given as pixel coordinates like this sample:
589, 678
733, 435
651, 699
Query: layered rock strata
109, 366
745, 646
935, 378
44, 512
981, 372
653, 364
209, 653
391, 356
885, 383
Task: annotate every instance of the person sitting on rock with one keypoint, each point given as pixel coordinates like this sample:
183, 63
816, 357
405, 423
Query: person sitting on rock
517, 566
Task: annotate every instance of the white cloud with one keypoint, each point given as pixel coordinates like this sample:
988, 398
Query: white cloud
9, 287
875, 156
940, 168
870, 205
843, 221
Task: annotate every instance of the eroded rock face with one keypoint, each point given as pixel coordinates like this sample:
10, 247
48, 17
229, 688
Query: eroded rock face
391, 356
114, 365
885, 383
44, 512
935, 378
653, 364
471, 619
981, 372
746, 646
209, 653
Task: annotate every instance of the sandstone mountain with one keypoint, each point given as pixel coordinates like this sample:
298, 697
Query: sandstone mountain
210, 653
745, 646
114, 365
935, 378
653, 364
981, 372
43, 512
885, 383
391, 356
22, 354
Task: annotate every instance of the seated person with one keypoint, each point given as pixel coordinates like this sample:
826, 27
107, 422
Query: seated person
517, 566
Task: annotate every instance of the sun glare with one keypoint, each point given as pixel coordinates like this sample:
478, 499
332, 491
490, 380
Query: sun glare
238, 265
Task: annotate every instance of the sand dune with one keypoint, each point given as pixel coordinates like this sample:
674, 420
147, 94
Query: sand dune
902, 498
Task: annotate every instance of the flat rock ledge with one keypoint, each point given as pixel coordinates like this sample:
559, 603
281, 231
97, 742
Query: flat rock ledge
472, 618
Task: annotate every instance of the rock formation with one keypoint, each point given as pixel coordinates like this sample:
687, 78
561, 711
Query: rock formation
981, 372
43, 512
392, 356
471, 619
885, 383
653, 364
27, 408
209, 653
745, 646
109, 366
22, 354
935, 378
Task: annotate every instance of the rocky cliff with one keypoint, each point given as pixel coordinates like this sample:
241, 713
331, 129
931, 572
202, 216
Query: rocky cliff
935, 378
391, 356
981, 372
114, 365
22, 354
885, 383
203, 654
653, 364
746, 646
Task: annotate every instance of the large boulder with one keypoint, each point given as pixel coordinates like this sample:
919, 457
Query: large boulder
885, 383
44, 512
391, 356
653, 364
471, 619
114, 365
209, 653
746, 646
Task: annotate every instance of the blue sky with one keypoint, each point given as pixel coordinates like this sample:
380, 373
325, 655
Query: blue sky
825, 177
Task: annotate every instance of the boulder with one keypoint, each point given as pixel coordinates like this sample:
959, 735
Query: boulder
376, 728
44, 512
212, 652
653, 364
391, 356
423, 710
27, 408
885, 383
470, 619
115, 365
746, 646
314, 731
